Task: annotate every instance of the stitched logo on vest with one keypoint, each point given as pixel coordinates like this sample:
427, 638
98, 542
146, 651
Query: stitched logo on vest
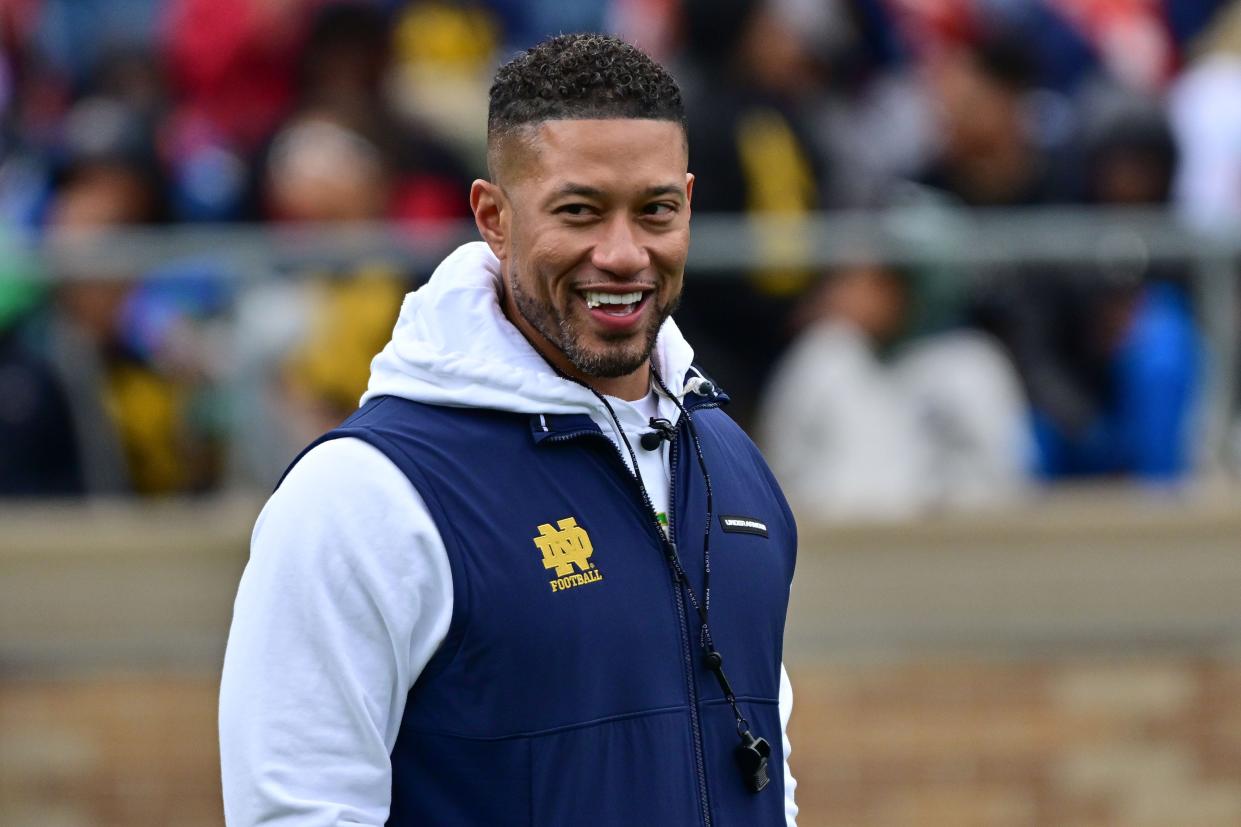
566, 548
743, 525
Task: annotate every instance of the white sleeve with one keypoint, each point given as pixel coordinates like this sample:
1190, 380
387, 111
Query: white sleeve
790, 783
346, 596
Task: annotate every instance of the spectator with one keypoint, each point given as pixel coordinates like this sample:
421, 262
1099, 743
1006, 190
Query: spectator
1112, 358
322, 170
343, 72
231, 63
988, 155
750, 76
231, 71
445, 53
857, 429
1205, 111
38, 444
129, 416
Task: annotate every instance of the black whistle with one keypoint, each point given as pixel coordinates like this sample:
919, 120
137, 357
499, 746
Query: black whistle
752, 755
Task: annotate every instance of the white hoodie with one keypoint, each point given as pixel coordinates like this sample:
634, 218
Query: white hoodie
348, 592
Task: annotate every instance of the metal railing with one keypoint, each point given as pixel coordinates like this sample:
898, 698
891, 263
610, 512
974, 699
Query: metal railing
956, 242
911, 235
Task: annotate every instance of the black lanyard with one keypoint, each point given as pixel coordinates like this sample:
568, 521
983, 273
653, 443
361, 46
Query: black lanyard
753, 752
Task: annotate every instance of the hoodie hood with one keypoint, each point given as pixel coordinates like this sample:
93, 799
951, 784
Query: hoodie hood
453, 346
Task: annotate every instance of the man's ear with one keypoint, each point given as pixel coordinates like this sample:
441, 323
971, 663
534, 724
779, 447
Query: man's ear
491, 215
689, 188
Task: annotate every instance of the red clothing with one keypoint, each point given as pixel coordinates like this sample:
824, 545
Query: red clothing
232, 62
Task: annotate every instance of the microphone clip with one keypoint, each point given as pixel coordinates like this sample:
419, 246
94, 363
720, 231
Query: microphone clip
664, 431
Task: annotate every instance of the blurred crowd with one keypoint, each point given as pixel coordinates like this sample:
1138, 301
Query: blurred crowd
876, 390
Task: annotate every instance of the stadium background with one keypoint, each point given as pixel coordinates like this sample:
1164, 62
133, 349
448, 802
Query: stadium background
212, 207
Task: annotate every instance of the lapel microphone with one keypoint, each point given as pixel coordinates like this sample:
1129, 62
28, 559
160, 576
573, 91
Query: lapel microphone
663, 432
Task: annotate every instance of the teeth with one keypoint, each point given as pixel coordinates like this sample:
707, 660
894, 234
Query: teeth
594, 298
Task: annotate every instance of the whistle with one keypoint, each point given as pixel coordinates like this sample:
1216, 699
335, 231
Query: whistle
752, 755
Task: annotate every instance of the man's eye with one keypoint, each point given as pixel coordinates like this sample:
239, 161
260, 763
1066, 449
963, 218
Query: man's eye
660, 209
574, 210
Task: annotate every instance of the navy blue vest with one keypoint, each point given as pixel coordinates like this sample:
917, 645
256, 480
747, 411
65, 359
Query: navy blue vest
571, 689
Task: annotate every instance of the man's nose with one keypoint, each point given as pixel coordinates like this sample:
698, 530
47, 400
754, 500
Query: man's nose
620, 250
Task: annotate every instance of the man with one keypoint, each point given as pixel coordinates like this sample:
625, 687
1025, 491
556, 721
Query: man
538, 578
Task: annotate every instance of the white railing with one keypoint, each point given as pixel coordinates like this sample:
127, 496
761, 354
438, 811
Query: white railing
957, 242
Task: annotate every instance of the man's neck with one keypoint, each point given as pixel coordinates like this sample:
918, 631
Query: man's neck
631, 388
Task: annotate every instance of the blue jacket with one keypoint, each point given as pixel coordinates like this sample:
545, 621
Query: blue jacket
571, 688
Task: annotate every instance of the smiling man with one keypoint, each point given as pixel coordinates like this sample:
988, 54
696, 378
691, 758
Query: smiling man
608, 187
539, 577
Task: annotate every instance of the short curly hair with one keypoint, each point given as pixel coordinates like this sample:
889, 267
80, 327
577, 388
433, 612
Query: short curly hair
577, 76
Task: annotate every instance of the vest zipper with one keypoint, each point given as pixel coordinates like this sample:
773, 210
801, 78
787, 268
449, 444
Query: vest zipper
683, 614
687, 643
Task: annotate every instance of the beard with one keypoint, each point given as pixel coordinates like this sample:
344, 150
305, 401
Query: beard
620, 354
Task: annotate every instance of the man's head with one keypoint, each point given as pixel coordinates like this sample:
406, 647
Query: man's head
588, 203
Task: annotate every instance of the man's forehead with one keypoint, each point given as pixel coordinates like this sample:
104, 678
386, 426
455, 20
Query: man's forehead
607, 145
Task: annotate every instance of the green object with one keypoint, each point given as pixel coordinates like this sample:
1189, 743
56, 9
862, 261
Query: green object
17, 296
20, 289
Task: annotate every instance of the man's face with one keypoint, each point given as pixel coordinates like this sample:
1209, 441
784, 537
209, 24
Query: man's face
597, 232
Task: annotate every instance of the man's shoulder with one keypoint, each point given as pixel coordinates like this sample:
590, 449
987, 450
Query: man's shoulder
333, 484
331, 468
413, 435
396, 415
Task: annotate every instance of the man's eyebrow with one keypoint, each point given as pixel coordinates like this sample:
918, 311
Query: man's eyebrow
663, 189
579, 189
586, 191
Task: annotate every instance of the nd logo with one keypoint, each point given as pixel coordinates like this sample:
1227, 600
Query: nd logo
564, 548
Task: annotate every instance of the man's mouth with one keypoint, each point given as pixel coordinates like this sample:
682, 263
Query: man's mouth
614, 304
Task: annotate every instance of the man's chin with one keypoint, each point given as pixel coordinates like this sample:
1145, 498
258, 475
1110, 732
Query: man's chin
613, 361
608, 366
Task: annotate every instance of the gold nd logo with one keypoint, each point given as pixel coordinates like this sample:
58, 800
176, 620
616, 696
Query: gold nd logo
563, 548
